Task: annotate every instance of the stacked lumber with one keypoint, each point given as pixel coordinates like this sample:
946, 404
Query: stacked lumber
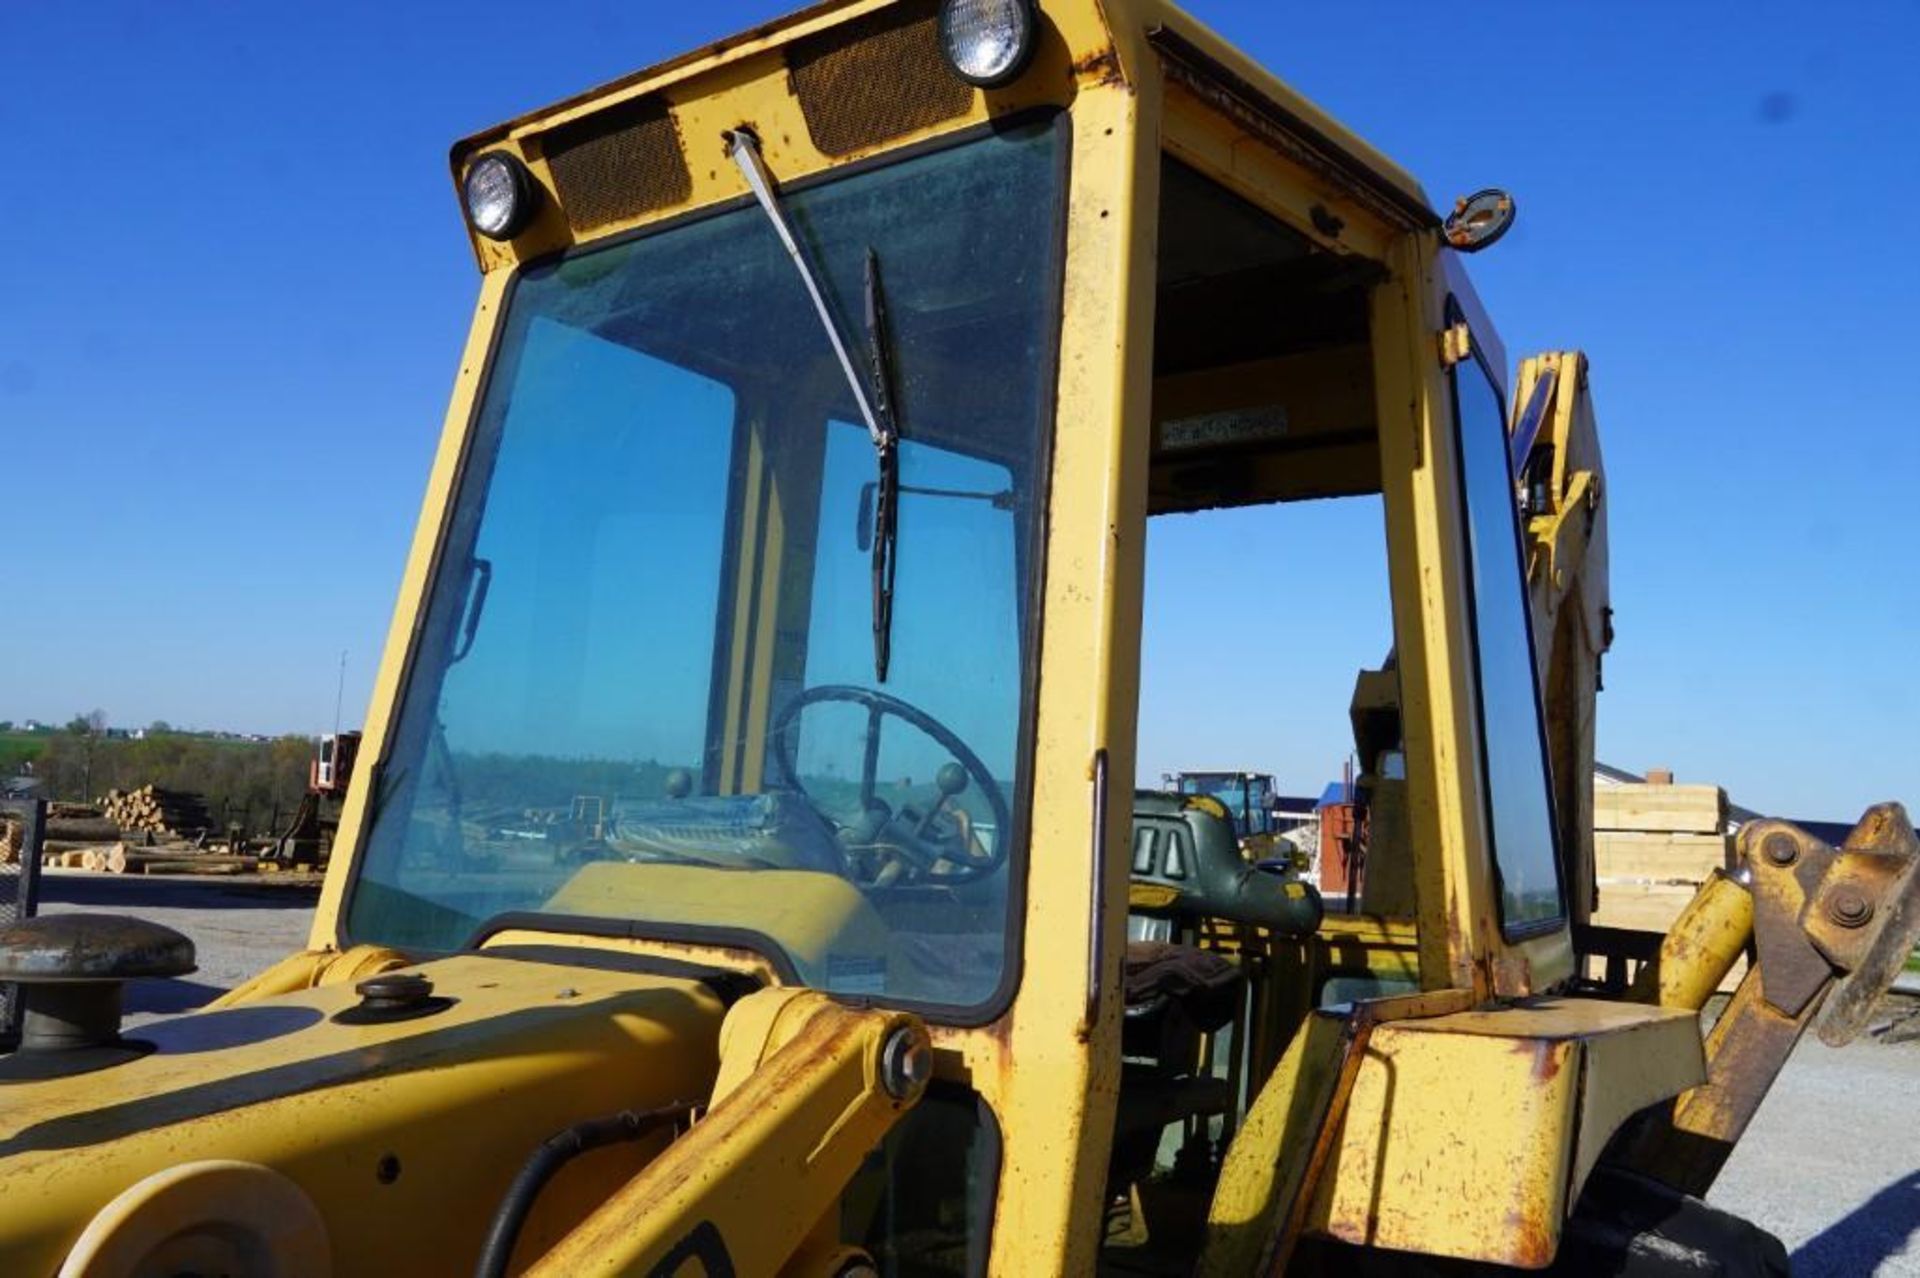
150, 809
13, 836
1671, 834
1654, 844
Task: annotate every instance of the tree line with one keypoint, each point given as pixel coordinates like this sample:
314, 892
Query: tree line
253, 784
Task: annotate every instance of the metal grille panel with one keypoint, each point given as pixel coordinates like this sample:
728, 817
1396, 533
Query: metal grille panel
875, 79
617, 164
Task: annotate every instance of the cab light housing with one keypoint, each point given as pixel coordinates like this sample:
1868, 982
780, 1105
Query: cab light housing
988, 42
500, 194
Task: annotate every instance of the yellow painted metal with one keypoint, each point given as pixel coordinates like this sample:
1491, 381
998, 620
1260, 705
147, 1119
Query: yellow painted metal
801, 913
1289, 977
311, 968
1701, 947
731, 958
1151, 896
397, 1132
1056, 1107
1623, 1074
799, 1102
1460, 1137
205, 1217
1266, 1166
1426, 574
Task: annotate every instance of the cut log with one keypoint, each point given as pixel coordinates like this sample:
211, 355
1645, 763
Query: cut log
82, 830
193, 864
75, 845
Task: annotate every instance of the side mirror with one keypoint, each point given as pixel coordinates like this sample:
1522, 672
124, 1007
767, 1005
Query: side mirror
1479, 220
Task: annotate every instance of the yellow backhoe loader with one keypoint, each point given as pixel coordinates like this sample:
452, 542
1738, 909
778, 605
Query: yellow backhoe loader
741, 872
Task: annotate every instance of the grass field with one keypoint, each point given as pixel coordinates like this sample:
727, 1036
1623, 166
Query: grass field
18, 748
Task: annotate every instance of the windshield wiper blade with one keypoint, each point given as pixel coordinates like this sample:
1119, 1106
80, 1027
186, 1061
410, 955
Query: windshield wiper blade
874, 400
886, 455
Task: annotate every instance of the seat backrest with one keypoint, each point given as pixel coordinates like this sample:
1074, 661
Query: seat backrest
1184, 845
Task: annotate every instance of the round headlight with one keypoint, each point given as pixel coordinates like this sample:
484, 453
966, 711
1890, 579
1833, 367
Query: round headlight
501, 195
987, 41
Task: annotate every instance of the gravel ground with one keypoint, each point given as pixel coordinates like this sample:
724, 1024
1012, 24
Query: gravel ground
238, 928
1831, 1163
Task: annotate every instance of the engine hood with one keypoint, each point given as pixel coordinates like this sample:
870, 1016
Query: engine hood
404, 1134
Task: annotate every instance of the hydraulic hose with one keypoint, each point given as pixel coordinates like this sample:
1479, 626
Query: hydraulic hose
554, 1153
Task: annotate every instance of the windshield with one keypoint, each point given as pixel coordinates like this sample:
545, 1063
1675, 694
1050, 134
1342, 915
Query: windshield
1247, 799
645, 686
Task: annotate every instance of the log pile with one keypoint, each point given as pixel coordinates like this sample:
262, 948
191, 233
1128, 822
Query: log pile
118, 858
145, 831
151, 810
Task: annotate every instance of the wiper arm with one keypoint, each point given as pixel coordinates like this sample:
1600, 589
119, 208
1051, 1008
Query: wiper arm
874, 400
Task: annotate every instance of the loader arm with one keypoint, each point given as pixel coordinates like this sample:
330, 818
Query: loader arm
1829, 930
806, 1089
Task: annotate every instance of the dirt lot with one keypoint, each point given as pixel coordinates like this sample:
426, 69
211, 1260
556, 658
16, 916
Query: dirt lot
1831, 1163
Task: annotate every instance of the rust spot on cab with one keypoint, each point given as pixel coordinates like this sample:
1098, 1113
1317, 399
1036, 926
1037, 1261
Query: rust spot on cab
1099, 68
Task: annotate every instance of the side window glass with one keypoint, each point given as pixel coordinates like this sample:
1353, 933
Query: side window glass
578, 672
1520, 807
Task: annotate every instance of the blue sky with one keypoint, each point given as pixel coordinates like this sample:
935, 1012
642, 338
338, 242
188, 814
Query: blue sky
236, 286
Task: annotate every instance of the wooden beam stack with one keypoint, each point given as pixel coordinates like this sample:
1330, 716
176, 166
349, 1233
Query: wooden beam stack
1653, 845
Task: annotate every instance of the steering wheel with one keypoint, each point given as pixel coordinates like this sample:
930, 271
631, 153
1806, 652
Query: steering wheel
939, 847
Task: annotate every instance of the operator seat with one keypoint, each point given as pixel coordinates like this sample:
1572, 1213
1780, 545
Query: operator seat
1186, 869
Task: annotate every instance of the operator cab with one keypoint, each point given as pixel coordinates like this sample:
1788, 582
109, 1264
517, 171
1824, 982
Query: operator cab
822, 445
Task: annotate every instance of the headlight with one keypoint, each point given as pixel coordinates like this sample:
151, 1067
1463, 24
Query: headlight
501, 195
987, 41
